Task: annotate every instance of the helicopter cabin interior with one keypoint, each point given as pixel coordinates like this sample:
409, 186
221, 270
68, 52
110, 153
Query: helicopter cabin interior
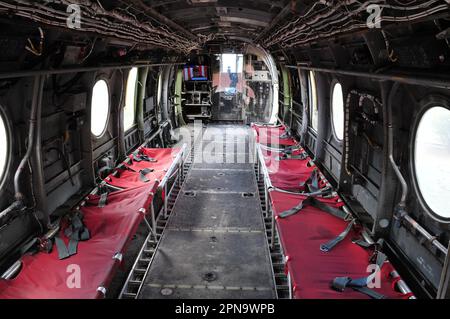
216, 149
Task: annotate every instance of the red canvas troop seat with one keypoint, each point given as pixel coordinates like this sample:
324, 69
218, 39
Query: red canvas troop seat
288, 174
313, 270
45, 276
163, 159
272, 136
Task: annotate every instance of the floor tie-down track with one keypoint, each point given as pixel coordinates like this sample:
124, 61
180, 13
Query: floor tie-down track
215, 245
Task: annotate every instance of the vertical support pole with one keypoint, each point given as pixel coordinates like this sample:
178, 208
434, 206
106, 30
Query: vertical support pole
152, 212
290, 285
272, 215
444, 284
180, 173
258, 169
161, 137
36, 158
266, 198
166, 199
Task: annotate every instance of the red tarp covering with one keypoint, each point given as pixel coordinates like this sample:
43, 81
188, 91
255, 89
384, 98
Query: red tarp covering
44, 276
271, 136
312, 270
164, 159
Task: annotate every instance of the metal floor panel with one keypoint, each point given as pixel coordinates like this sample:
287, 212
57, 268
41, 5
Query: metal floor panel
215, 244
209, 210
218, 260
223, 166
225, 181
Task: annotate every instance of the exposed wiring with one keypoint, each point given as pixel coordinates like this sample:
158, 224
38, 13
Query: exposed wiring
325, 19
39, 50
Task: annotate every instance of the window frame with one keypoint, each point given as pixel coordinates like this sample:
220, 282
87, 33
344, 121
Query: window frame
311, 105
136, 86
427, 104
333, 126
4, 116
105, 129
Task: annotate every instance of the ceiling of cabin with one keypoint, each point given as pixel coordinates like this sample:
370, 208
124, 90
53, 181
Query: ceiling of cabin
187, 25
225, 19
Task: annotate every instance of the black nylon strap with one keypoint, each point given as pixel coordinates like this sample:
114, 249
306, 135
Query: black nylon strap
333, 243
121, 168
76, 232
104, 170
63, 252
103, 201
285, 135
141, 157
362, 243
311, 201
370, 292
323, 192
143, 173
312, 183
289, 156
360, 284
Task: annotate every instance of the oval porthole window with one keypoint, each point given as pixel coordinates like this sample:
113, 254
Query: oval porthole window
4, 146
337, 111
129, 116
99, 108
432, 158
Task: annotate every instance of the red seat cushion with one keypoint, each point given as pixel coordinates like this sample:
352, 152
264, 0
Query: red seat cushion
44, 276
288, 174
271, 136
164, 160
312, 270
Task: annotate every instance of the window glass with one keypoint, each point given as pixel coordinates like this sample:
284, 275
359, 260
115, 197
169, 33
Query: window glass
4, 146
337, 110
99, 108
230, 78
129, 117
432, 158
314, 116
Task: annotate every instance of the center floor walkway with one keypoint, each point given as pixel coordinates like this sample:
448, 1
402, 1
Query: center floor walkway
215, 244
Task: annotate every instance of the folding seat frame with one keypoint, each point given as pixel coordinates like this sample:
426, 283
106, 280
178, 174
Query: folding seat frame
175, 170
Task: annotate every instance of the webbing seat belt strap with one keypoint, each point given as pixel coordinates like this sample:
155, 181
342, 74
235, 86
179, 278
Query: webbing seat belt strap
143, 174
286, 135
312, 183
340, 283
289, 156
332, 243
122, 167
311, 201
140, 157
76, 232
